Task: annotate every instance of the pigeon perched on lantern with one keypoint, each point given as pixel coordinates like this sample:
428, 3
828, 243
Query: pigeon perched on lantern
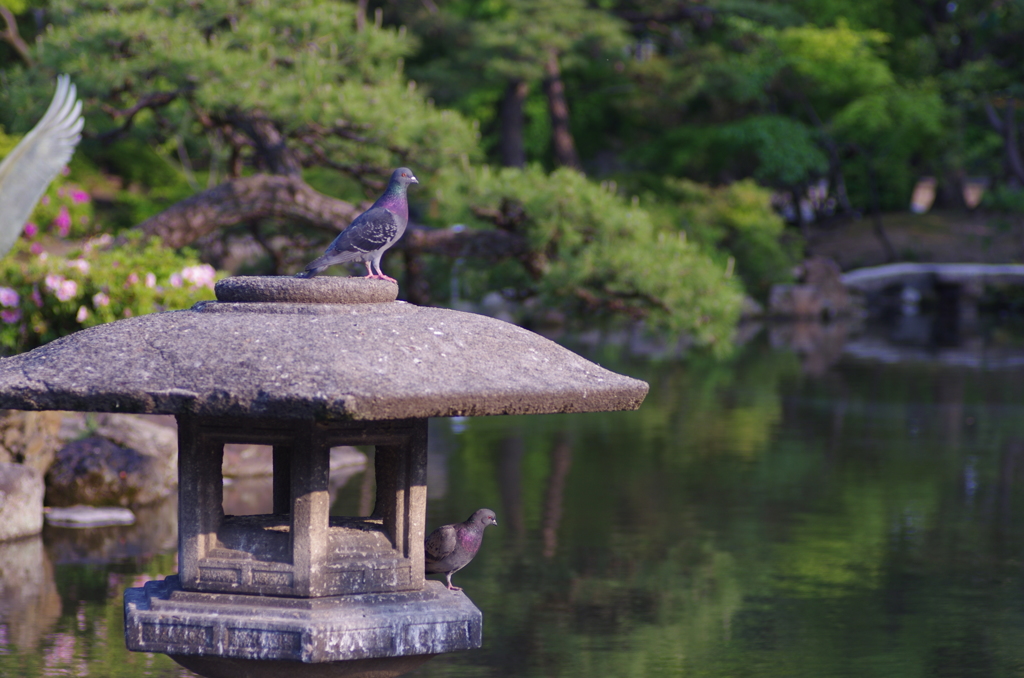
450, 548
372, 232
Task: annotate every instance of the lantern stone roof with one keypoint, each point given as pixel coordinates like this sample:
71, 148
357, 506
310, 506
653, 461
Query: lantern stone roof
309, 353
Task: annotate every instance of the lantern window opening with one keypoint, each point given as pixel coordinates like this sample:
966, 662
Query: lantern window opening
368, 553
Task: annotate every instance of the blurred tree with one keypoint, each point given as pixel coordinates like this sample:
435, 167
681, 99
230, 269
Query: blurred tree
250, 93
11, 35
853, 98
518, 44
588, 251
254, 98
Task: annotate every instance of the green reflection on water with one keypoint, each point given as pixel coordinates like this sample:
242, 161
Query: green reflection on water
748, 520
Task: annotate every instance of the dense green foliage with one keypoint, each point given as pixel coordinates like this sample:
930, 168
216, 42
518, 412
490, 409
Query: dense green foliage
671, 109
598, 251
301, 64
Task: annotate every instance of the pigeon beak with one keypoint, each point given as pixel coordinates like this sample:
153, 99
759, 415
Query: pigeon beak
413, 180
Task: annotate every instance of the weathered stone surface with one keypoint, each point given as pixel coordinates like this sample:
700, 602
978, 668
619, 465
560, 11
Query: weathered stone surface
319, 290
97, 472
29, 601
21, 501
312, 361
300, 549
30, 438
163, 618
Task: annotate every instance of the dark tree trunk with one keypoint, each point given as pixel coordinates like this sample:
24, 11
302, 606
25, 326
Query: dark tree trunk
835, 166
805, 228
836, 177
361, 15
876, 210
417, 287
1007, 128
271, 146
513, 152
562, 142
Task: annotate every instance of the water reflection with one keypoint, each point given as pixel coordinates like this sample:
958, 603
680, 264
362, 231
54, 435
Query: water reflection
29, 602
809, 509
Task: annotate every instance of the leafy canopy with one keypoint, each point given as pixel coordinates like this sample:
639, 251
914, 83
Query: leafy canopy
215, 68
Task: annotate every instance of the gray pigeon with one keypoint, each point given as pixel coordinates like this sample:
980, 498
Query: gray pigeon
372, 232
451, 547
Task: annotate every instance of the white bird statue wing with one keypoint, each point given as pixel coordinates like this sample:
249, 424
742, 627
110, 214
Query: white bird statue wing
35, 161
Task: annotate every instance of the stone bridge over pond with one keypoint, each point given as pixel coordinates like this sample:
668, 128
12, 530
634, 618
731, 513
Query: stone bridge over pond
875, 279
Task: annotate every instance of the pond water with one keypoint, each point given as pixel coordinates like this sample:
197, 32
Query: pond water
768, 516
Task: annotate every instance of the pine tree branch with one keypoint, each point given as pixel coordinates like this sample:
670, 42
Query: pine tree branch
152, 101
13, 38
246, 199
455, 242
345, 130
270, 144
288, 197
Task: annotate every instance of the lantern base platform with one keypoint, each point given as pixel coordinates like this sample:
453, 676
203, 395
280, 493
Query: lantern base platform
161, 617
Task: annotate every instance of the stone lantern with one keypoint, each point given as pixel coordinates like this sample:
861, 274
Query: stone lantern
303, 366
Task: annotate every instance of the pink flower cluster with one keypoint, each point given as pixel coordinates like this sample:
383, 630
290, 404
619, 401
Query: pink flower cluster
81, 264
63, 222
202, 275
62, 288
76, 194
10, 299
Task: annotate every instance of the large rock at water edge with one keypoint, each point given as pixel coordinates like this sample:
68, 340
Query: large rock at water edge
21, 501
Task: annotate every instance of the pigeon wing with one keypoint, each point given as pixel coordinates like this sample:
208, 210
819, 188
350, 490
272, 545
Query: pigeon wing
374, 229
441, 543
35, 161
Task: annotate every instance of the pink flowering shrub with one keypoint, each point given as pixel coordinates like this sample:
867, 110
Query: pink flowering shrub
64, 211
44, 296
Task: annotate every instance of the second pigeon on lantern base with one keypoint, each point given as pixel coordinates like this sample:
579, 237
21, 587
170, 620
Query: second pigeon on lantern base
372, 232
450, 548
